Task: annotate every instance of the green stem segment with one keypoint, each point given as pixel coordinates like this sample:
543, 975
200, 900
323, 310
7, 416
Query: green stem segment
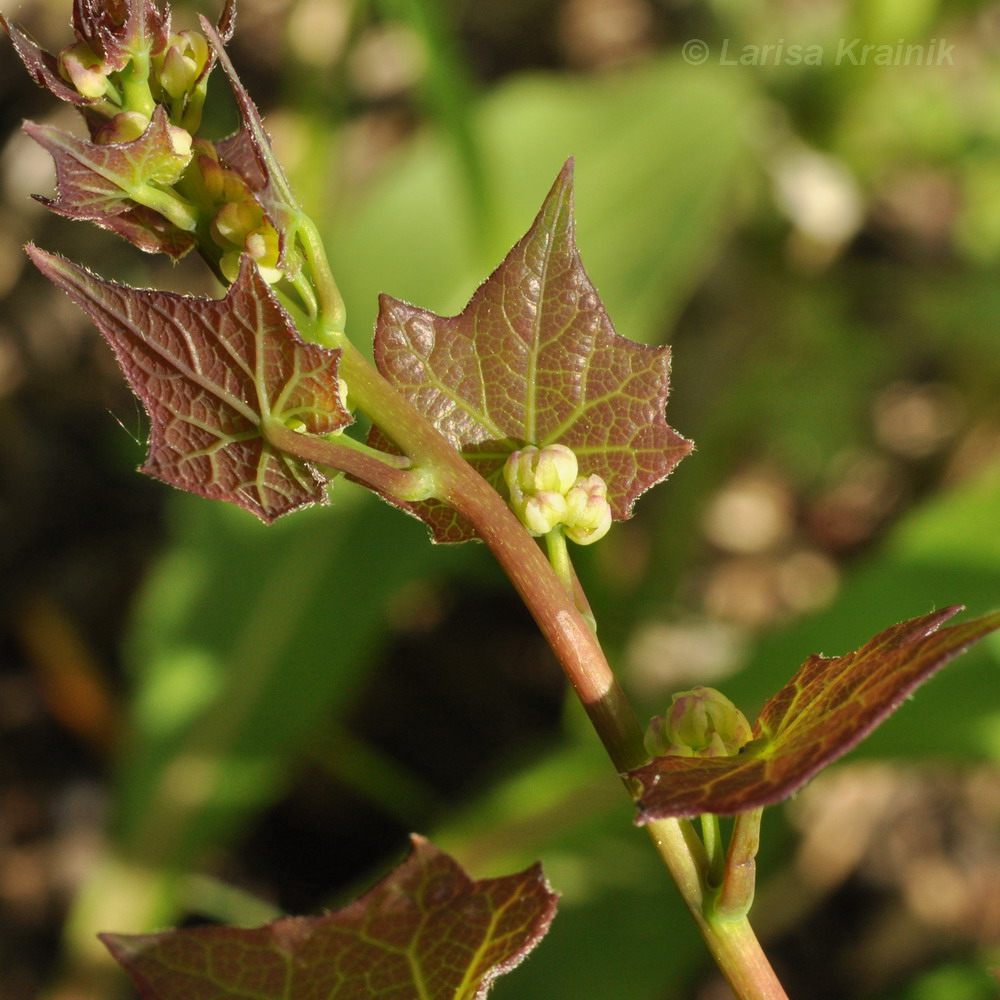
562, 565
732, 942
737, 893
549, 594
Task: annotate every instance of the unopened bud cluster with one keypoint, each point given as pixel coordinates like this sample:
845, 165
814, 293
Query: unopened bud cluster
157, 68
140, 83
701, 722
238, 224
547, 491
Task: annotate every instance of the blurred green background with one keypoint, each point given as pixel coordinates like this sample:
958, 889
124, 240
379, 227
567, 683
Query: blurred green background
204, 719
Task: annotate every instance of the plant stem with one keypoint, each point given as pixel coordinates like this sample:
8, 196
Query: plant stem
403, 482
712, 836
733, 944
556, 611
737, 893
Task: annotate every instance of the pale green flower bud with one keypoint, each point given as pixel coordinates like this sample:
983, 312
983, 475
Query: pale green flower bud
262, 244
553, 467
233, 221
542, 511
124, 127
83, 68
588, 513
546, 491
701, 722
181, 140
183, 62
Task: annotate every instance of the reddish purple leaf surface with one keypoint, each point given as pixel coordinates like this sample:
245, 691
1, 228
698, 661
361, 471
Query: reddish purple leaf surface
210, 372
426, 932
534, 359
97, 183
827, 708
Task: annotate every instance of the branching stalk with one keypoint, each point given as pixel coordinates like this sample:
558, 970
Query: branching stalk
555, 609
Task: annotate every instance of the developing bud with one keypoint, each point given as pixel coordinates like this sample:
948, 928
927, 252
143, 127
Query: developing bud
537, 480
233, 221
553, 467
542, 511
588, 513
83, 68
182, 63
701, 722
546, 491
124, 127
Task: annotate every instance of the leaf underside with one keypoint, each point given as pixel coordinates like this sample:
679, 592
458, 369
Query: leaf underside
211, 373
427, 930
533, 359
827, 708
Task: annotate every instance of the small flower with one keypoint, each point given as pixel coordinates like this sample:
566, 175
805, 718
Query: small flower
182, 63
543, 511
588, 513
124, 127
701, 722
82, 67
553, 467
546, 492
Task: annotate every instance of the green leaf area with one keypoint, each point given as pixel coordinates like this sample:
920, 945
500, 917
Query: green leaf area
534, 359
211, 373
427, 931
827, 708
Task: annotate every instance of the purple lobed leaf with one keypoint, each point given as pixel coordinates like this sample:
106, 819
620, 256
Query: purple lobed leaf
534, 359
210, 372
827, 708
426, 930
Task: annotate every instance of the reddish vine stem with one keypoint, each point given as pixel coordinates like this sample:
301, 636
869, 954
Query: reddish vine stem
453, 480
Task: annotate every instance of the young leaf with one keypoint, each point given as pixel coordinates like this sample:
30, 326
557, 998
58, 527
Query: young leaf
426, 930
211, 373
827, 708
101, 183
534, 359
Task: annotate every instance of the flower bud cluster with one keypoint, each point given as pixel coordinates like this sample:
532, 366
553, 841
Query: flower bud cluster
141, 89
127, 66
171, 71
546, 491
238, 224
701, 722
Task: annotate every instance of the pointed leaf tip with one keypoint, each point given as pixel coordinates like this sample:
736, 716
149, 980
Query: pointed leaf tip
827, 708
210, 374
534, 359
427, 929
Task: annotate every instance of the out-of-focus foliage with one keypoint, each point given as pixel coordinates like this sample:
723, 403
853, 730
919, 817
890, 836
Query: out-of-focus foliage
819, 243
